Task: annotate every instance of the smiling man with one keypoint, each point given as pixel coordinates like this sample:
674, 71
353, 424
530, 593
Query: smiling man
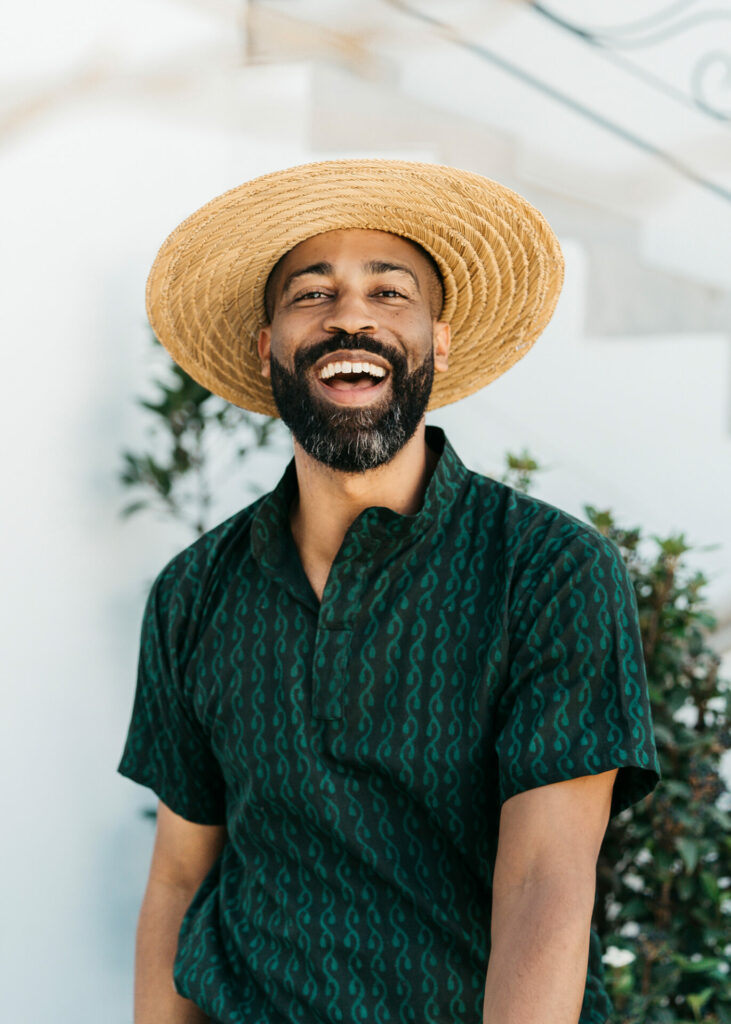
355, 398
388, 708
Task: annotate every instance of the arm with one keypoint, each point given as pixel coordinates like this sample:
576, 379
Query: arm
182, 856
543, 896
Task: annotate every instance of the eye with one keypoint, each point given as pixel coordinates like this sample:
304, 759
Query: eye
314, 294
391, 292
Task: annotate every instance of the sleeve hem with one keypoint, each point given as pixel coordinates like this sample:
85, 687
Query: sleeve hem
633, 783
196, 815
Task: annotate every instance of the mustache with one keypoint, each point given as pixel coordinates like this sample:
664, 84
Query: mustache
343, 340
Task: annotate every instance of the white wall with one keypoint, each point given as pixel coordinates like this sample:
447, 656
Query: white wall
89, 191
86, 200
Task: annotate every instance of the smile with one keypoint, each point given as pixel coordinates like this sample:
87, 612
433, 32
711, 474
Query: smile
358, 392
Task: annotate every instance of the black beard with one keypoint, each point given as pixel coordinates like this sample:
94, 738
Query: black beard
352, 439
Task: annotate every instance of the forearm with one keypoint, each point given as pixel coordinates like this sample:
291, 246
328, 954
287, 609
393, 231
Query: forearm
539, 955
155, 998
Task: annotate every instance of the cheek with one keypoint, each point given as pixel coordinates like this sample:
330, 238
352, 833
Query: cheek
284, 335
290, 327
417, 322
416, 331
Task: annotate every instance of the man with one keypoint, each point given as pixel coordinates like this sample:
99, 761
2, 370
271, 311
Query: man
389, 707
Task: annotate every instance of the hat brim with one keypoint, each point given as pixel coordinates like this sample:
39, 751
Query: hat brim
500, 262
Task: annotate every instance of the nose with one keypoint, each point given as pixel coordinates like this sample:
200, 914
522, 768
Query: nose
349, 314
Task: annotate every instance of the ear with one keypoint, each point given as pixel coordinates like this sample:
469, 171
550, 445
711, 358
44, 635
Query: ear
263, 347
441, 336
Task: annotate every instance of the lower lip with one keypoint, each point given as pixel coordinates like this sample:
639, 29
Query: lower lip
355, 396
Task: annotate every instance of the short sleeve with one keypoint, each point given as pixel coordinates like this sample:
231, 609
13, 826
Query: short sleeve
166, 747
576, 700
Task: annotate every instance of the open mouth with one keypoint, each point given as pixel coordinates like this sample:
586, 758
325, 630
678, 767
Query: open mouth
353, 388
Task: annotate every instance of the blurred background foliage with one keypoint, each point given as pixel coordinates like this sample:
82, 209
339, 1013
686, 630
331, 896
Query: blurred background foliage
663, 900
173, 475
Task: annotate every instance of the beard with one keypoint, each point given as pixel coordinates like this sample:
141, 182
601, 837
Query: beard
352, 439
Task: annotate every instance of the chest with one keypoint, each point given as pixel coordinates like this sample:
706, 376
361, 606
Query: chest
401, 686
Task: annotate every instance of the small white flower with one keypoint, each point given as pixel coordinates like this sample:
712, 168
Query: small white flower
613, 909
617, 957
630, 930
723, 968
633, 881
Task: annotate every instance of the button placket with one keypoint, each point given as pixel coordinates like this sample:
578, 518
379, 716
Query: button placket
331, 662
330, 672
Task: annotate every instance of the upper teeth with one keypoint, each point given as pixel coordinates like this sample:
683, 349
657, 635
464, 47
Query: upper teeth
332, 368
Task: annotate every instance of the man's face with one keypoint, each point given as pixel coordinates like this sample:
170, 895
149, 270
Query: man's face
350, 296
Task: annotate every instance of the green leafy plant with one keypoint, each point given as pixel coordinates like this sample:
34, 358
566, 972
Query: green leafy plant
173, 477
663, 902
663, 874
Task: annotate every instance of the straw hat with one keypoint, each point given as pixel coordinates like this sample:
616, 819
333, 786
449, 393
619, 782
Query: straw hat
500, 262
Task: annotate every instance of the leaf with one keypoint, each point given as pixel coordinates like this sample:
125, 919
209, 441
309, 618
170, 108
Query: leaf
698, 1001
602, 519
706, 619
721, 817
676, 788
133, 507
663, 734
673, 546
689, 850
710, 886
708, 963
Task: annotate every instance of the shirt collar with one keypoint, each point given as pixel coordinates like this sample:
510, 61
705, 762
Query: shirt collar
271, 536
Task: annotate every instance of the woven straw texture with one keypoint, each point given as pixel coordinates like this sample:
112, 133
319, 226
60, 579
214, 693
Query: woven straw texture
501, 265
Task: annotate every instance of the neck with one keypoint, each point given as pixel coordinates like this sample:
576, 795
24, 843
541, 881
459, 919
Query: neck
330, 500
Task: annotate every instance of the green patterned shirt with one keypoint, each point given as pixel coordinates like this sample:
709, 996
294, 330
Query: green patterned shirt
359, 750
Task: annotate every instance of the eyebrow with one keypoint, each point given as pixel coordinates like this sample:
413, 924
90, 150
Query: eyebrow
324, 268
321, 268
382, 267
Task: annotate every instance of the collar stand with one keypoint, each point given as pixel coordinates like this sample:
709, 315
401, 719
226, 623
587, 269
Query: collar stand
270, 524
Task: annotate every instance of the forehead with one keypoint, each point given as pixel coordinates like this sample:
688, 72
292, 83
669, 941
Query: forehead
353, 244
